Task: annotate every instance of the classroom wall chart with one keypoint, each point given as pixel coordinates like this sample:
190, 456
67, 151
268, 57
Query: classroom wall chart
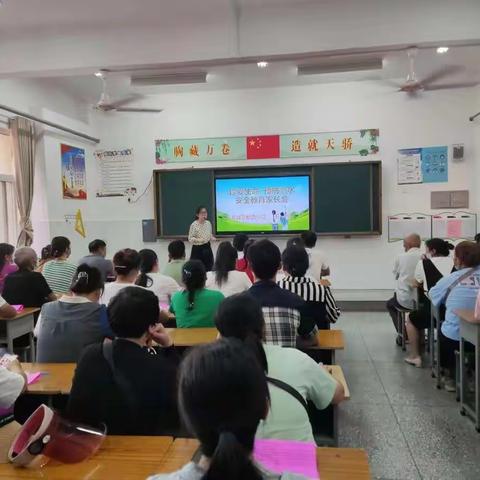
454, 225
115, 173
422, 165
298, 145
74, 178
403, 224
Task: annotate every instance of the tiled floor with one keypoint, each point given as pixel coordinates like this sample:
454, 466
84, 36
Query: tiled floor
410, 429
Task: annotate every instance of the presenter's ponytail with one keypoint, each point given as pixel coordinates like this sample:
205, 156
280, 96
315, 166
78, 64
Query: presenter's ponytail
223, 395
194, 277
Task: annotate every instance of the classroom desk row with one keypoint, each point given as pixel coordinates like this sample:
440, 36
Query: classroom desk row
135, 458
328, 341
57, 378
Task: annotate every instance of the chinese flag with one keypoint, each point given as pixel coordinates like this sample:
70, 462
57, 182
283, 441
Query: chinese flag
267, 146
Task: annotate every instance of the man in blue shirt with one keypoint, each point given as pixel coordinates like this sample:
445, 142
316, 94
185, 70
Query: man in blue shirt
456, 291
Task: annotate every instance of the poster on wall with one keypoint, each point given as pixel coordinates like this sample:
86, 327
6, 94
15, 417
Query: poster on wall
115, 173
74, 178
422, 165
255, 147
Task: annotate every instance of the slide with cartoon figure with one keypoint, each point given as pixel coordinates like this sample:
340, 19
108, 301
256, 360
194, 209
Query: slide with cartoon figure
263, 204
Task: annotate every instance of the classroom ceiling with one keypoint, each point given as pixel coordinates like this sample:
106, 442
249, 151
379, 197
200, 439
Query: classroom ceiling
66, 41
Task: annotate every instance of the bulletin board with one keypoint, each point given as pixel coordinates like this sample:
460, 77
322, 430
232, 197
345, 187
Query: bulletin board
454, 225
403, 224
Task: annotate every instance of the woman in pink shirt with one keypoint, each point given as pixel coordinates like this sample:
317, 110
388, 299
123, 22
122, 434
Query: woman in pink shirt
6, 263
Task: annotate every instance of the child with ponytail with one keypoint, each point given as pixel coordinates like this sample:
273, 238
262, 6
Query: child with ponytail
223, 395
196, 305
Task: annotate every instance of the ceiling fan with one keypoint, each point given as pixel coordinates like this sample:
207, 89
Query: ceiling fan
414, 85
105, 104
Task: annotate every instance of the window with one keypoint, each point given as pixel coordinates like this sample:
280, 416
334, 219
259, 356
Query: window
8, 205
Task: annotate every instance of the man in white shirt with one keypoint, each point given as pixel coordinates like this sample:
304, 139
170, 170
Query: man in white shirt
318, 267
404, 272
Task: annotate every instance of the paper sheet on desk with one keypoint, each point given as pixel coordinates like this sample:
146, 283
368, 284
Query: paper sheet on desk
33, 377
287, 456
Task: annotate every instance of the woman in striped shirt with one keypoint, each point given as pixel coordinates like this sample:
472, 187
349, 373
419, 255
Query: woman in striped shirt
319, 298
58, 272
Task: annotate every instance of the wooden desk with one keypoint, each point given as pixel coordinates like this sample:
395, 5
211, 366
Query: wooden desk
135, 458
190, 337
21, 324
343, 464
327, 342
56, 378
337, 374
469, 332
333, 463
122, 457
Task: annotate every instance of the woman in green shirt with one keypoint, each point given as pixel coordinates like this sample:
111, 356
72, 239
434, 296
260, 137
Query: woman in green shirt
195, 306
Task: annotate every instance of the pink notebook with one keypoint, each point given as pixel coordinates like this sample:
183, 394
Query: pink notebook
287, 456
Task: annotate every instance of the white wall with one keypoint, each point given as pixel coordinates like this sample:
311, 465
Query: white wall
31, 97
434, 118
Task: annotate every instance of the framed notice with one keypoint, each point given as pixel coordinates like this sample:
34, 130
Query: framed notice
403, 224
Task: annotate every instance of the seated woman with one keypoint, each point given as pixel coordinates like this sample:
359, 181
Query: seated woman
150, 278
128, 384
224, 277
26, 286
223, 396
242, 264
320, 302
195, 306
456, 291
65, 327
58, 272
126, 264
45, 257
6, 265
429, 271
13, 382
241, 317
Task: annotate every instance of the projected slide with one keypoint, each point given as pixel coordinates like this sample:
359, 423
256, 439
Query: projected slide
263, 204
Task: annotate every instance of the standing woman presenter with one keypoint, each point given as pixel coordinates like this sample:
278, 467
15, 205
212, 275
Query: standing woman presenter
200, 235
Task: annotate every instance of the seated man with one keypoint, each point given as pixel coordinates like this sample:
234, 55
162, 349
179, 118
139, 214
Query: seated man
98, 252
404, 272
318, 267
176, 260
285, 313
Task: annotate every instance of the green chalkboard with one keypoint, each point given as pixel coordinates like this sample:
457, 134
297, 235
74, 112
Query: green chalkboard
346, 197
178, 194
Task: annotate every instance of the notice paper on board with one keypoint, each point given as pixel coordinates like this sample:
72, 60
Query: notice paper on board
115, 172
422, 165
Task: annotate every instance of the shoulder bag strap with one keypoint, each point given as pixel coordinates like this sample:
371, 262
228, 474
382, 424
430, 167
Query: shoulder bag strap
289, 389
458, 280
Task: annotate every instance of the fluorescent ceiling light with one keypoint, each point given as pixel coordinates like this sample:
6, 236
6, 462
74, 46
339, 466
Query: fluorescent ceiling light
178, 78
262, 64
442, 49
341, 65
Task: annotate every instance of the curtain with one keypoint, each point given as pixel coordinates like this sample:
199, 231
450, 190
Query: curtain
23, 136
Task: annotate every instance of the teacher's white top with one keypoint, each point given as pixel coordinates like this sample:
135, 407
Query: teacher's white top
200, 233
